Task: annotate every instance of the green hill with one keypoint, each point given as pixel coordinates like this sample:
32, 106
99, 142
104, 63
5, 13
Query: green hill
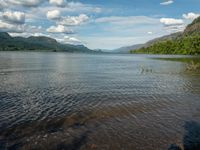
41, 43
187, 43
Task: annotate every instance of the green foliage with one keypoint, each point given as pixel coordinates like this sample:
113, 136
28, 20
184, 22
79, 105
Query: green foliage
187, 45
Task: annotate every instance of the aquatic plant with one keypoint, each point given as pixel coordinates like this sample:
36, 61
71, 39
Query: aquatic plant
145, 69
193, 66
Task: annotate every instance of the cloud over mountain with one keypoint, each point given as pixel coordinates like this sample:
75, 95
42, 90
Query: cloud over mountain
191, 16
70, 40
12, 21
60, 29
171, 21
6, 27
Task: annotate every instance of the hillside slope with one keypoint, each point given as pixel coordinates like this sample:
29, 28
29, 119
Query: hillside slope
187, 43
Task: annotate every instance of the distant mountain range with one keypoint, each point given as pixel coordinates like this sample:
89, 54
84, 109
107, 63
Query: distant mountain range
40, 43
126, 49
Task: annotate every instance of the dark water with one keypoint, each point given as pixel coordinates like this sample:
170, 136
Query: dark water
110, 102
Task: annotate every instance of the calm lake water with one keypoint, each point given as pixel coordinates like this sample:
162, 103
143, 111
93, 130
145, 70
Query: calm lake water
111, 102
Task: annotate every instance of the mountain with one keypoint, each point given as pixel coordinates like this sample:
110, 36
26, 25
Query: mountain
4, 36
125, 50
40, 43
186, 42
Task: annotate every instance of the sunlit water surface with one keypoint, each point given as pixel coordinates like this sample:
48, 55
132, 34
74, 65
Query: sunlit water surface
82, 101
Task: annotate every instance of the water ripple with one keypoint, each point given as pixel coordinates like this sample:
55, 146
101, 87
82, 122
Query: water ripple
93, 102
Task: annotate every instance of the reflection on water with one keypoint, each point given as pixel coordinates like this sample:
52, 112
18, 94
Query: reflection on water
79, 101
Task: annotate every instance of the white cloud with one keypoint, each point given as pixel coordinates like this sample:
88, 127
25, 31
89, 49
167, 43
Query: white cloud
12, 22
24, 34
127, 20
60, 29
73, 8
29, 30
74, 20
13, 17
27, 34
3, 4
33, 29
167, 2
149, 32
173, 25
40, 34
171, 21
175, 28
191, 16
27, 3
70, 40
59, 3
80, 7
7, 27
53, 14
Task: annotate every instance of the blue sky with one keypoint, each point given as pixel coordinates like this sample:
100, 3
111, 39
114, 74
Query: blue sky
98, 24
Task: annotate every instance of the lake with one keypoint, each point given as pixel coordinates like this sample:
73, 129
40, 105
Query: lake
87, 101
